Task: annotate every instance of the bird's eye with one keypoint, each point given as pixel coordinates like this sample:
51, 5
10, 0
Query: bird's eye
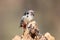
27, 13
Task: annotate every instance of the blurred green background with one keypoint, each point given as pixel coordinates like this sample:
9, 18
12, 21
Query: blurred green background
47, 15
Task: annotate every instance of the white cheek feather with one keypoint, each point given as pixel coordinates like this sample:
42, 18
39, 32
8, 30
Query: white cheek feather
30, 18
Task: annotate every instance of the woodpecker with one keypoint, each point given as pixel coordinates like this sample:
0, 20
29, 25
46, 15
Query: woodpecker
26, 18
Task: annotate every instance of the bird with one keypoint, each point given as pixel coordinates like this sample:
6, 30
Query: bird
26, 18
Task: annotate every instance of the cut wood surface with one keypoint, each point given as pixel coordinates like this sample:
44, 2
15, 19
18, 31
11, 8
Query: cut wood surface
47, 35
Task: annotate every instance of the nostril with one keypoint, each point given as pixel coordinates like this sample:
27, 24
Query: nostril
27, 16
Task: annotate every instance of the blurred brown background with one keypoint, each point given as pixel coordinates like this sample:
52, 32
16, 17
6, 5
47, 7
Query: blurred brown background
47, 15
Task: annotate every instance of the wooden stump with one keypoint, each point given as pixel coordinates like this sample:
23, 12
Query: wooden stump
47, 36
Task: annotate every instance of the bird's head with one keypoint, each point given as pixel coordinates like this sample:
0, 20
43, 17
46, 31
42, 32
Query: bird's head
27, 17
